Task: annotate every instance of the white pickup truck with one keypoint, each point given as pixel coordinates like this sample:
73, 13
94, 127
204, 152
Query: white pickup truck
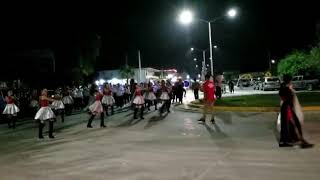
299, 82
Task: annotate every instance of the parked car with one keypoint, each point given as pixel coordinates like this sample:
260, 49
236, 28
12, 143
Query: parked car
243, 82
270, 83
300, 82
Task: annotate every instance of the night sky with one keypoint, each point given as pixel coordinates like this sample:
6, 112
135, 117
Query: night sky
152, 27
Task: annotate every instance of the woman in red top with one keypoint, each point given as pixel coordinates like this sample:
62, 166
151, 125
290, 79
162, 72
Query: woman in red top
11, 110
138, 102
96, 108
45, 114
209, 99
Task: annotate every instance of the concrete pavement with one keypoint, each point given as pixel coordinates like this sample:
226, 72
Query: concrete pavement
239, 146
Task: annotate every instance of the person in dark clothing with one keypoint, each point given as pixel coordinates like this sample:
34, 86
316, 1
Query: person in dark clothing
180, 90
196, 88
291, 130
231, 87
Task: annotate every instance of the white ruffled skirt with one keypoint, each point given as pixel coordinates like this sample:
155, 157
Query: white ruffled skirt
150, 96
67, 100
138, 100
58, 104
11, 109
164, 96
44, 113
108, 100
96, 107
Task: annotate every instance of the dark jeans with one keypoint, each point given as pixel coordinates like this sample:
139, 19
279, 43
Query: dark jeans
119, 101
165, 106
150, 102
106, 107
196, 93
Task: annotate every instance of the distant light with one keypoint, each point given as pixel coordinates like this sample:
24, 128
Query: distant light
199, 76
215, 46
273, 61
188, 77
195, 59
97, 83
196, 66
232, 13
174, 79
170, 76
207, 65
192, 49
186, 17
101, 81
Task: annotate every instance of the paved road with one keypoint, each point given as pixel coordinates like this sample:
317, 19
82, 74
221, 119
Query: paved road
239, 146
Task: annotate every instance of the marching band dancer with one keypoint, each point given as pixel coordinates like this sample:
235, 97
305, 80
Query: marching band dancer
67, 101
150, 97
165, 98
11, 110
45, 114
138, 102
108, 100
58, 106
96, 108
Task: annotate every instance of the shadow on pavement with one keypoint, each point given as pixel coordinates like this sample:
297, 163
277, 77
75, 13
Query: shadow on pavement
216, 132
226, 117
154, 120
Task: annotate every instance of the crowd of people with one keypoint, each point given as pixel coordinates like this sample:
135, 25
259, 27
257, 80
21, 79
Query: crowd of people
47, 105
98, 101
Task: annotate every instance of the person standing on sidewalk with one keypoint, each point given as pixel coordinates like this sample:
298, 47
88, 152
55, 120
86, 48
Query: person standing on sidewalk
231, 87
180, 91
291, 117
196, 88
45, 114
209, 99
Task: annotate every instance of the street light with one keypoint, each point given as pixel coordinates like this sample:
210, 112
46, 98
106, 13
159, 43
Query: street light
191, 49
195, 59
186, 17
232, 13
273, 61
215, 46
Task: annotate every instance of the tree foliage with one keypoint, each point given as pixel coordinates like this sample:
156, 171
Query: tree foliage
126, 72
300, 62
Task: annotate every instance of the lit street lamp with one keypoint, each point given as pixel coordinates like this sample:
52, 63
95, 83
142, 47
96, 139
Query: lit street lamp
273, 61
191, 49
195, 59
186, 18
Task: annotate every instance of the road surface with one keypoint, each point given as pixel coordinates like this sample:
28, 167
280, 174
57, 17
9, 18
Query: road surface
239, 146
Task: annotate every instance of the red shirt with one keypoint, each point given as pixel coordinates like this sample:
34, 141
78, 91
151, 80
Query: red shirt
98, 97
44, 103
209, 90
138, 92
9, 100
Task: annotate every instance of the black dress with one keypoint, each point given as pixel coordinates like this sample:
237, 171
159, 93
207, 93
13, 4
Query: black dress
291, 131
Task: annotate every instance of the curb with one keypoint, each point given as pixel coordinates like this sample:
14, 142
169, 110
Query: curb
198, 108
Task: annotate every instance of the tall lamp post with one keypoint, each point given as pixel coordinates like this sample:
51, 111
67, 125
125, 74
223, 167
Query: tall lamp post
186, 17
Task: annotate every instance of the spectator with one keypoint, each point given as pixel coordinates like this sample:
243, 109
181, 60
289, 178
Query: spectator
196, 88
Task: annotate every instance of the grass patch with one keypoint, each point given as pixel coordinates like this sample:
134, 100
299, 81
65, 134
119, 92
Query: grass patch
268, 100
